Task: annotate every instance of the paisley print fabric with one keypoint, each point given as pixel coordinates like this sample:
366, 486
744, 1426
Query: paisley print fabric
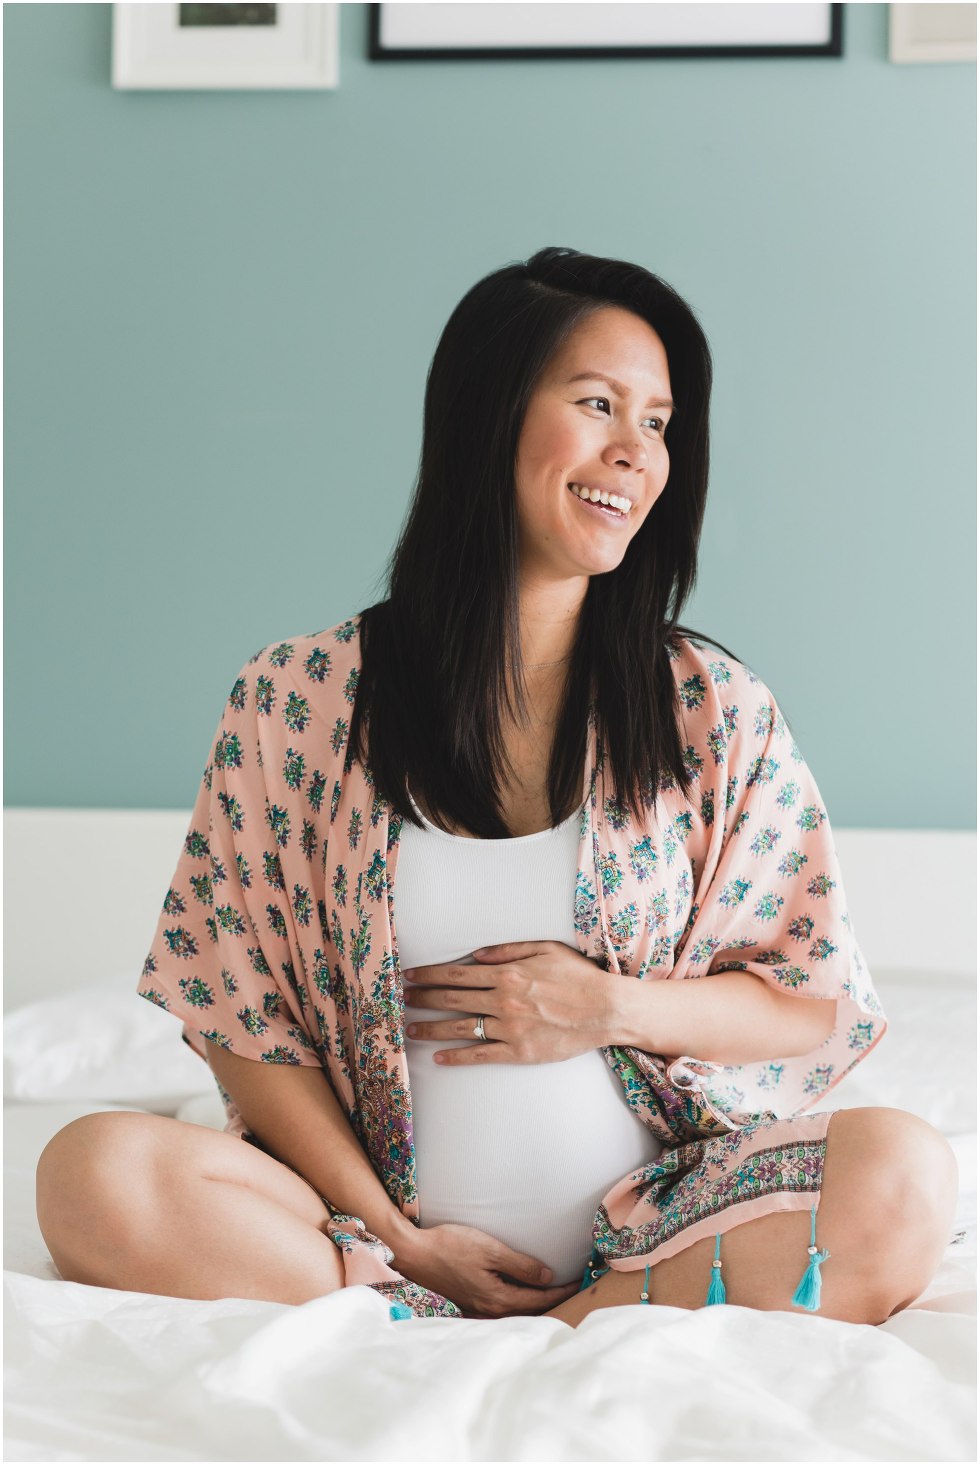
276, 940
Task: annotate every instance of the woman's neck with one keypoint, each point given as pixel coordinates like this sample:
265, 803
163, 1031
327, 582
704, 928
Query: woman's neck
548, 628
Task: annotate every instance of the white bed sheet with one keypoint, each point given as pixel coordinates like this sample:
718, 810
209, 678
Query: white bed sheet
149, 1378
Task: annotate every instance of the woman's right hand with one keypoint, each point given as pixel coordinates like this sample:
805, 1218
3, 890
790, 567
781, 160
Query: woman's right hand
470, 1267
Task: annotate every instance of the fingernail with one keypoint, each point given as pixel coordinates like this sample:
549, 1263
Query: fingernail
546, 1274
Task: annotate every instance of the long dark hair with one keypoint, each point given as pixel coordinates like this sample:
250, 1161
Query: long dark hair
435, 655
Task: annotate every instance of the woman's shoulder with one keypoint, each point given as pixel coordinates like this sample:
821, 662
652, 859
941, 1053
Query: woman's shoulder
313, 654
296, 680
718, 690
700, 664
336, 642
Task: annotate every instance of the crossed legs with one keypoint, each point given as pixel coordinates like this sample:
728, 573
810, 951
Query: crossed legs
150, 1204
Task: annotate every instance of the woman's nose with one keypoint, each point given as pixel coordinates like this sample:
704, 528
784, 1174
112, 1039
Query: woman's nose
630, 450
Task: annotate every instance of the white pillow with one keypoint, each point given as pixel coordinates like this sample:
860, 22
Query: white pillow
104, 1042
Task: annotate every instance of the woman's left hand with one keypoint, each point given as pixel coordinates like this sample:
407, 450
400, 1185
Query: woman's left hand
542, 1002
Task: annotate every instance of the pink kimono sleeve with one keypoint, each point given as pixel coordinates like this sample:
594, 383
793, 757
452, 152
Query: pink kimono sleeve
770, 900
223, 956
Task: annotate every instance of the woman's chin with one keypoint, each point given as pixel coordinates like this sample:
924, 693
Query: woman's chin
578, 563
602, 563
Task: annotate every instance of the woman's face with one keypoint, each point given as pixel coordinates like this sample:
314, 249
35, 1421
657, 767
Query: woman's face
592, 433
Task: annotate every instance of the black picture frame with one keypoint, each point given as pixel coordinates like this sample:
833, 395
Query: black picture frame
832, 48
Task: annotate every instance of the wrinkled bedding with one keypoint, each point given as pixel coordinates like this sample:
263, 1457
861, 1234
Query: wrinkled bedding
99, 1374
151, 1378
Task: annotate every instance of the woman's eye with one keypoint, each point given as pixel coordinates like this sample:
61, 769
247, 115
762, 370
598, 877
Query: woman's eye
658, 420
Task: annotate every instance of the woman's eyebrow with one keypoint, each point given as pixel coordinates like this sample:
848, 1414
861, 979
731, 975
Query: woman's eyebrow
591, 376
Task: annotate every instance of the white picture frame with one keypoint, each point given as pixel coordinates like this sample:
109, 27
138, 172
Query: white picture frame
932, 33
225, 47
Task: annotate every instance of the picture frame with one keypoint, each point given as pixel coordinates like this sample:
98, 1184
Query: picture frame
225, 47
932, 33
511, 32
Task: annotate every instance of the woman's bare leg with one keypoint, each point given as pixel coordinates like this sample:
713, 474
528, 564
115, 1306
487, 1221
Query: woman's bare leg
885, 1215
150, 1204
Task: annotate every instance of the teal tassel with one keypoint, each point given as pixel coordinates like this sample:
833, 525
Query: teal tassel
398, 1310
716, 1292
645, 1294
807, 1293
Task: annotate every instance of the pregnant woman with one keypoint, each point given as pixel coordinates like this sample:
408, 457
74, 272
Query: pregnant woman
509, 917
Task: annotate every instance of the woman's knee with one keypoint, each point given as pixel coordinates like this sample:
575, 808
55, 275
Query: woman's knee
92, 1175
902, 1174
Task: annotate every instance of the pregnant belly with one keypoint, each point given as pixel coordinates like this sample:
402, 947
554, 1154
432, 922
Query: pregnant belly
525, 1152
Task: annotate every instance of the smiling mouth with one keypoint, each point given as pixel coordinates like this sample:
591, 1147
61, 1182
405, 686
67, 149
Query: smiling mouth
609, 510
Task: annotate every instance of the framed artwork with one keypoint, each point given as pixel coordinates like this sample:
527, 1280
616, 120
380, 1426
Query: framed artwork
495, 32
932, 33
225, 47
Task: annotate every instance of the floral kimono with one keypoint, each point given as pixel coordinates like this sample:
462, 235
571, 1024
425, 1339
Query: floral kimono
276, 940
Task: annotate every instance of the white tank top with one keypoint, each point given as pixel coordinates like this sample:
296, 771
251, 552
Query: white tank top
525, 1152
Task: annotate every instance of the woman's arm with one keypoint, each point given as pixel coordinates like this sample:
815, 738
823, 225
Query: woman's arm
728, 1017
550, 1002
295, 1113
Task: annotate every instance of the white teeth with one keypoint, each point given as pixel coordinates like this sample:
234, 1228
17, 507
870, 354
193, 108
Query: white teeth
596, 496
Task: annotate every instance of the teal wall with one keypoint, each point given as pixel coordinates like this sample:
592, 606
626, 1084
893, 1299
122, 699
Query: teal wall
220, 308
